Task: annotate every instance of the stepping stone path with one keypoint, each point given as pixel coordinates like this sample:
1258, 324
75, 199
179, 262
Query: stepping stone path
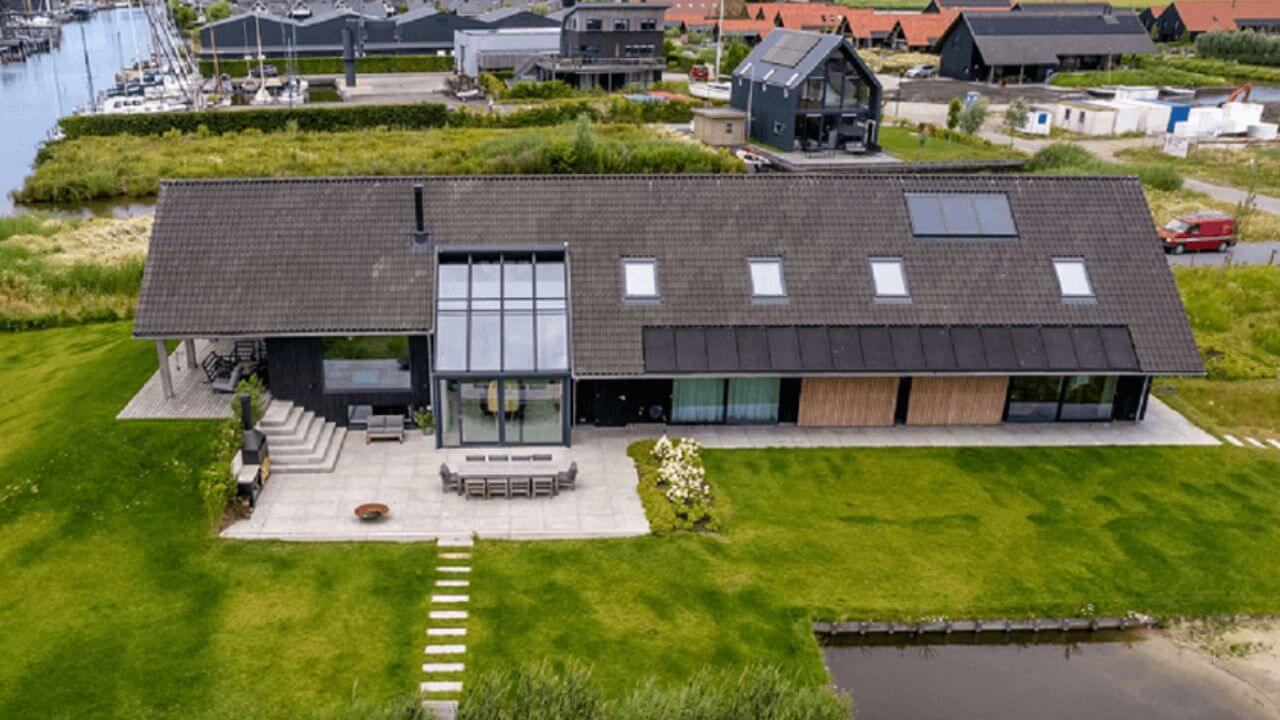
447, 629
1252, 442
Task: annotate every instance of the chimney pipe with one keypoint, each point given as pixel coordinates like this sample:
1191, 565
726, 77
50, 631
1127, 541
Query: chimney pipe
246, 412
417, 208
418, 239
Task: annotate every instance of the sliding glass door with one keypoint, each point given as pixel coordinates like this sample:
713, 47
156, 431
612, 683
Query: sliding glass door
502, 411
733, 401
1087, 398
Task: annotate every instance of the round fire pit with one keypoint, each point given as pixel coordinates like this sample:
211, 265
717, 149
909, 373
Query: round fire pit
372, 512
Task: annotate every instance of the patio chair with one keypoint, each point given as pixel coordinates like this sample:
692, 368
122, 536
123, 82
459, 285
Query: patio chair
497, 487
384, 427
449, 481
521, 458
216, 366
475, 458
521, 487
245, 351
498, 458
474, 488
567, 480
544, 486
542, 458
228, 383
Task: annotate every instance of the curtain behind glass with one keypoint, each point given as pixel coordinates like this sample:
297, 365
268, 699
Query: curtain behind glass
697, 400
753, 400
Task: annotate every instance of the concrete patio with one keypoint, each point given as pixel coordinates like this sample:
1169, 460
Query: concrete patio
406, 477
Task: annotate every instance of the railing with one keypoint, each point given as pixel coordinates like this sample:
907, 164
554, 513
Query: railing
602, 61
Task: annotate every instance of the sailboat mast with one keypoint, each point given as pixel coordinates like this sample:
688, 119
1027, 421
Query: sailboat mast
88, 69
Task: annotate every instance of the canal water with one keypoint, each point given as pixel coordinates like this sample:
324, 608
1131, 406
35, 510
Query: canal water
1130, 677
35, 93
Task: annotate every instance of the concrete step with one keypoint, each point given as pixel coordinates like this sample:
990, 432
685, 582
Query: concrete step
442, 709
453, 583
455, 556
453, 569
318, 462
304, 435
446, 649
455, 541
441, 686
443, 667
448, 614
279, 417
446, 632
311, 453
450, 599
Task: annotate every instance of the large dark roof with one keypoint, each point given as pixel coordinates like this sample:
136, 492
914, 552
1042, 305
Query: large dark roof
332, 256
1041, 38
768, 61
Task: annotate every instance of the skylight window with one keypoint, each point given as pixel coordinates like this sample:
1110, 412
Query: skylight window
640, 278
889, 277
766, 278
960, 215
1073, 278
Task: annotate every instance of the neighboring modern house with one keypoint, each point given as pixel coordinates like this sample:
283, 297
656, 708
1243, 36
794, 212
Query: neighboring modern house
1058, 8
1201, 16
818, 300
608, 45
484, 50
868, 28
748, 31
1025, 46
807, 90
424, 30
1149, 16
814, 17
922, 32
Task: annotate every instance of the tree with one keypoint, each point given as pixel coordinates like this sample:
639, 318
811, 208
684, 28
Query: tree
954, 108
1015, 116
734, 53
972, 117
220, 10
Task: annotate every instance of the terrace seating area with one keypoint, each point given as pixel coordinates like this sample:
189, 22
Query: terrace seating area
508, 476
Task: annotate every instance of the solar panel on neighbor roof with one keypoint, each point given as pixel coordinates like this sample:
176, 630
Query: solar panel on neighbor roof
790, 49
960, 215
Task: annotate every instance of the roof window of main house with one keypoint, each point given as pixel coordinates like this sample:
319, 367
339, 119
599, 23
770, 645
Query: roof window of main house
640, 278
1073, 278
766, 278
501, 312
960, 215
889, 278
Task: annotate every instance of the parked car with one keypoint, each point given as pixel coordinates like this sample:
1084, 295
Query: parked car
1205, 230
699, 72
922, 71
267, 71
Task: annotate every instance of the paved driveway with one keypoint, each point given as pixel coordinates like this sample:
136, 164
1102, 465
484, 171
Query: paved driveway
1260, 253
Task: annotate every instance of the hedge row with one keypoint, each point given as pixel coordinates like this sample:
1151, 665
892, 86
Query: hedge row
333, 65
1246, 47
356, 117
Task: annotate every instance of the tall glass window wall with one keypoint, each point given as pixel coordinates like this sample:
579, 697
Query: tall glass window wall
502, 348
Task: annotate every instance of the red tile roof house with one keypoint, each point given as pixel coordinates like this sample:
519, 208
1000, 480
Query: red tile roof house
868, 28
923, 32
1201, 16
814, 300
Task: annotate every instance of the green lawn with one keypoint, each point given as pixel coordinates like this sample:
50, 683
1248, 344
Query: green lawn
891, 534
115, 601
904, 143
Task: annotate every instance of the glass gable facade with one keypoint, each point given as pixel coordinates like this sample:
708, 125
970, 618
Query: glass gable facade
502, 348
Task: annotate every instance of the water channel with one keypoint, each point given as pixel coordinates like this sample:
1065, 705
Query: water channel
35, 93
1049, 676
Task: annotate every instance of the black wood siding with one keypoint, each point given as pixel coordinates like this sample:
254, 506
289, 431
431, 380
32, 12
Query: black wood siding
297, 374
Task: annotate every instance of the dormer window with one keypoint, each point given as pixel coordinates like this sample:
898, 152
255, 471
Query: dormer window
889, 278
640, 278
766, 278
1073, 278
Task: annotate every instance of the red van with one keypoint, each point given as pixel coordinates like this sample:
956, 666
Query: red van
1205, 230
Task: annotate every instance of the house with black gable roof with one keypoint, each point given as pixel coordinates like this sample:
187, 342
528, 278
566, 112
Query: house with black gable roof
813, 300
807, 90
1031, 46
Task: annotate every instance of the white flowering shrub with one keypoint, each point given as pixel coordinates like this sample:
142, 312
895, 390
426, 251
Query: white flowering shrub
663, 449
673, 485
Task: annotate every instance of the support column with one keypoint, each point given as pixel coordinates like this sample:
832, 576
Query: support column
190, 345
166, 380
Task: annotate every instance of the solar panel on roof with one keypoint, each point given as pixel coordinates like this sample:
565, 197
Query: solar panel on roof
960, 215
790, 49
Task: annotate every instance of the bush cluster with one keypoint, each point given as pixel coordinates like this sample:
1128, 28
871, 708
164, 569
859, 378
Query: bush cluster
217, 484
541, 693
425, 116
333, 65
1071, 159
673, 487
1242, 46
